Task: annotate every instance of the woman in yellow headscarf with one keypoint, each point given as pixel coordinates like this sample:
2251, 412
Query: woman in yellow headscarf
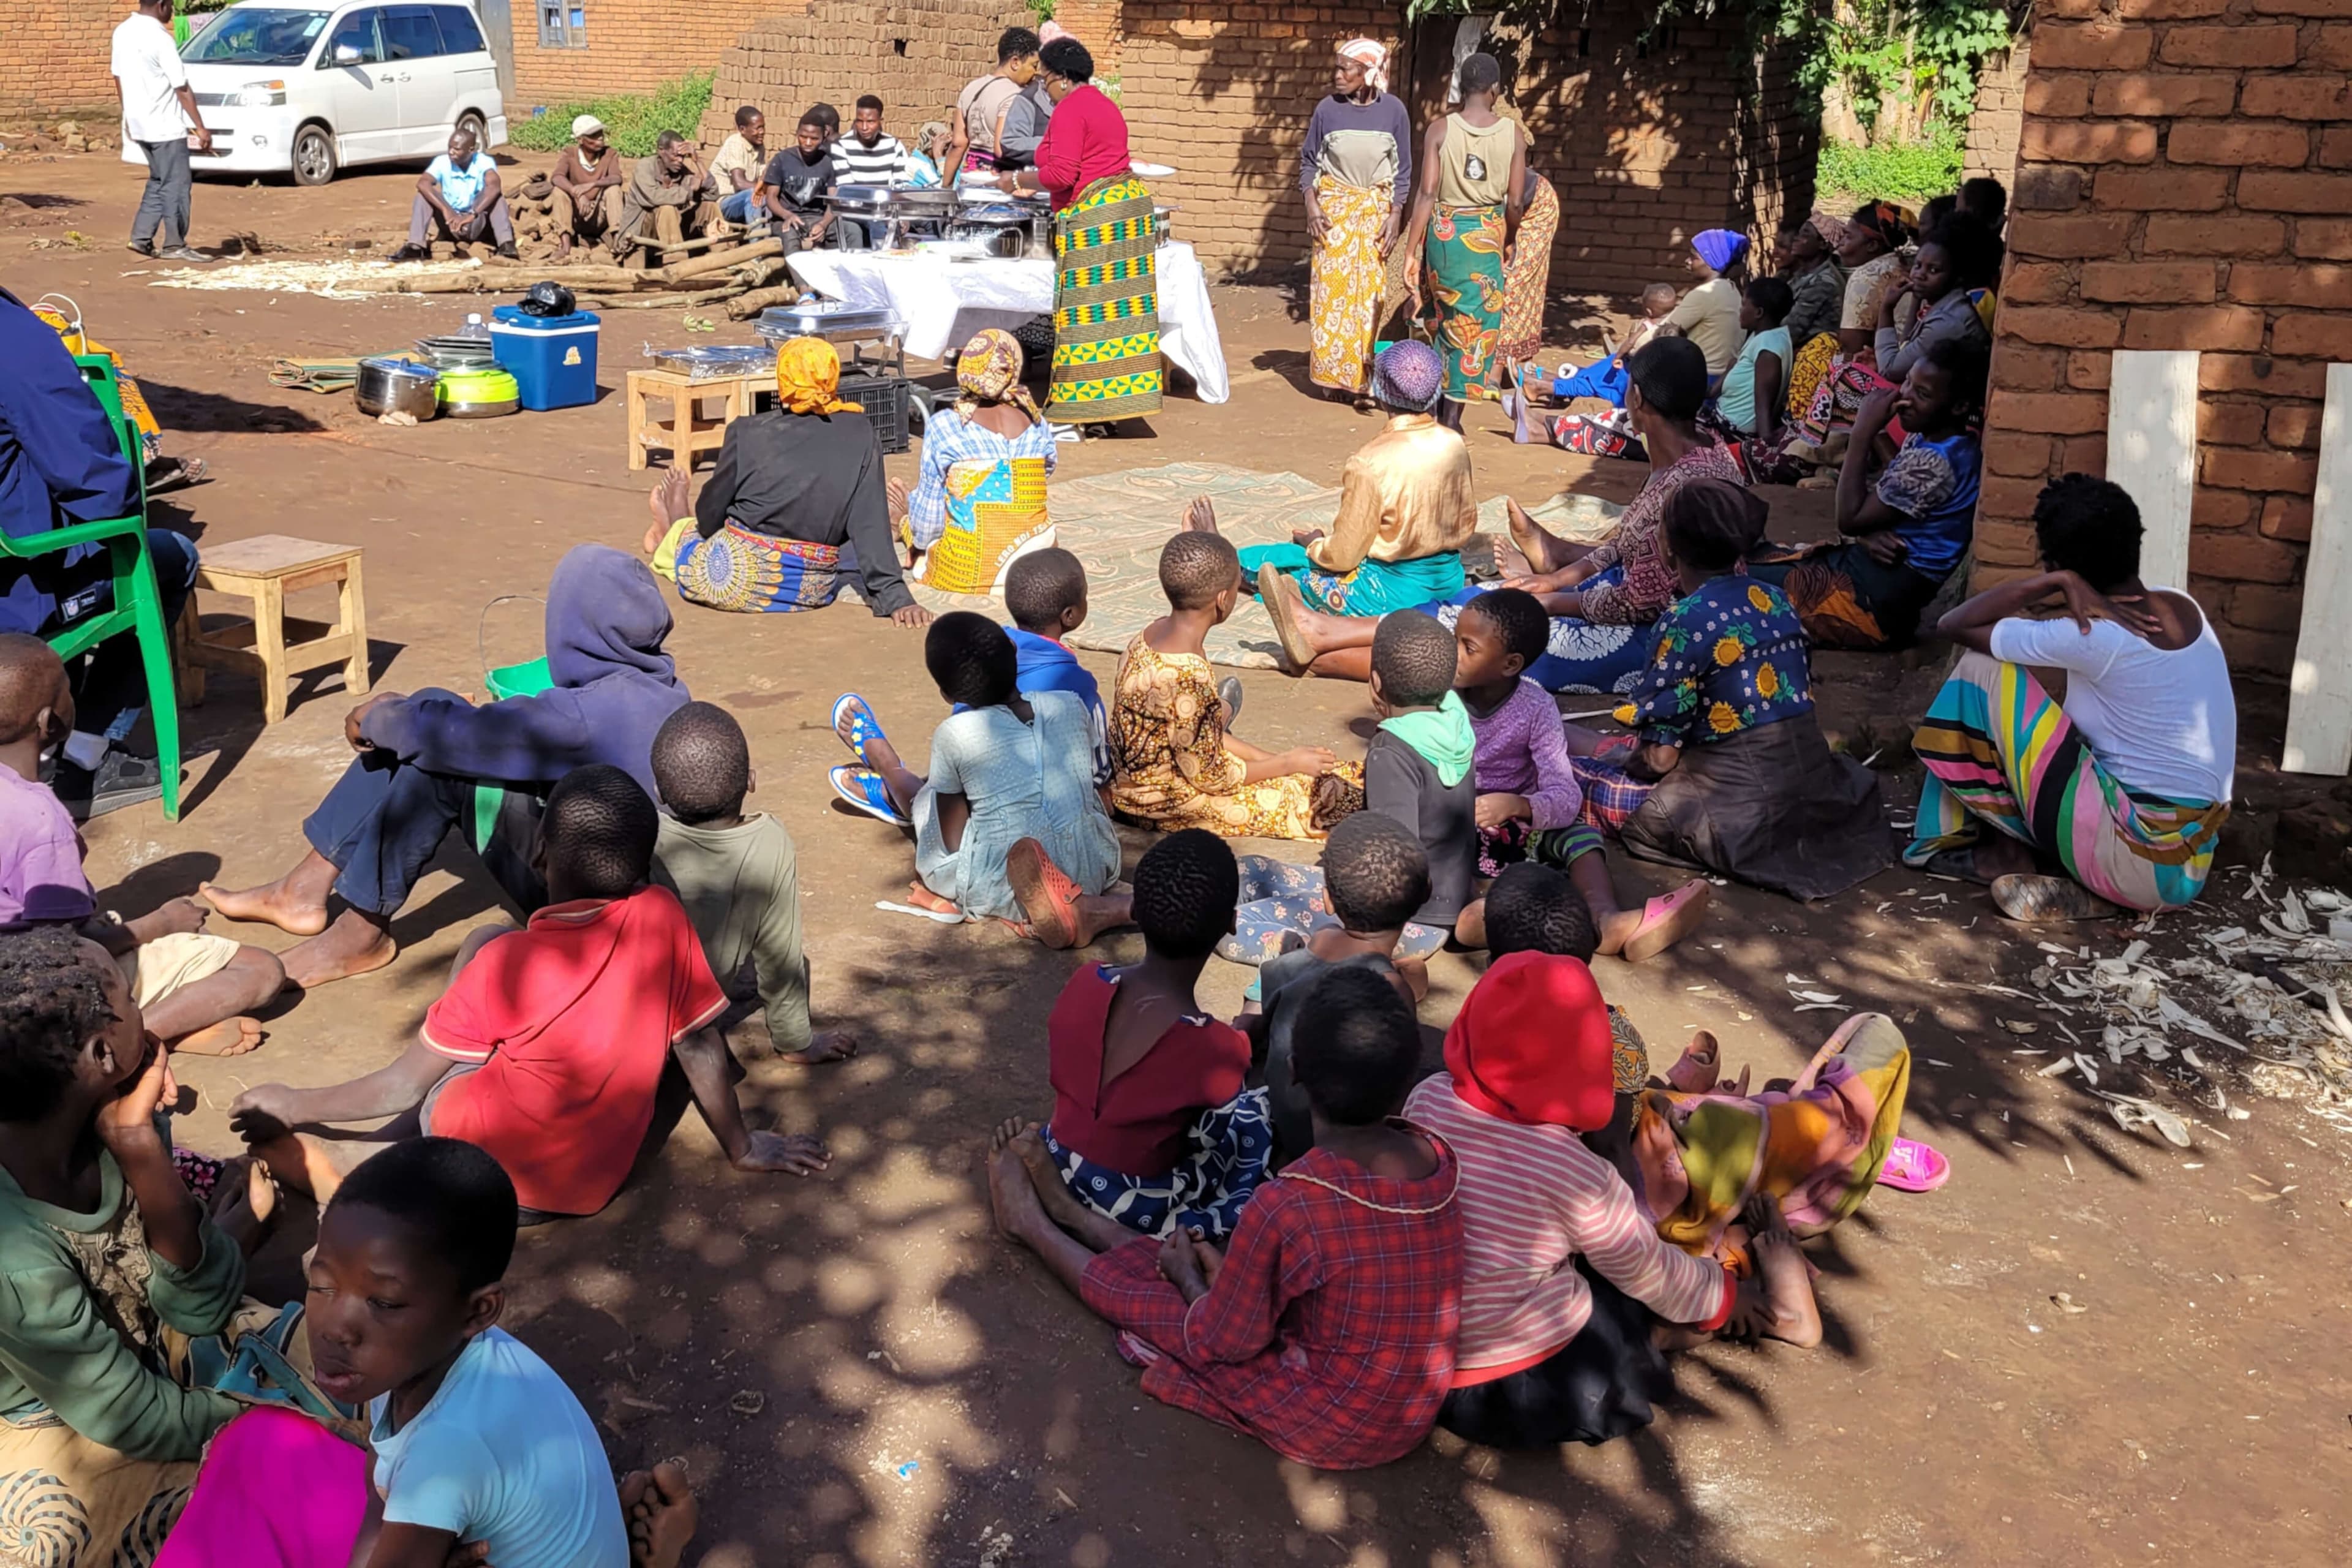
796, 505
979, 499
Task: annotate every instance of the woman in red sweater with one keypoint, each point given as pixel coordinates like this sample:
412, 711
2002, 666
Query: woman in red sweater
1105, 290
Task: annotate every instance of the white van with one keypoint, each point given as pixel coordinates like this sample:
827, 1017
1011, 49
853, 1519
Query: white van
305, 90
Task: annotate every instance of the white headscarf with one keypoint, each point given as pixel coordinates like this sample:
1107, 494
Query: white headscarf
1373, 55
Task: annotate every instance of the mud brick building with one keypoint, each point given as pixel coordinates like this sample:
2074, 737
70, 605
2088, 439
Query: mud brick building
55, 59
1647, 144
915, 55
2184, 181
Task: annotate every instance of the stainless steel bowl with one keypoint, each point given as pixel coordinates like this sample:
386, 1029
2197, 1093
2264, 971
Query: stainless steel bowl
392, 385
480, 410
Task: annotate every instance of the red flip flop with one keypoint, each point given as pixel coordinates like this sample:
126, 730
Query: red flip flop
1913, 1167
1667, 919
1048, 895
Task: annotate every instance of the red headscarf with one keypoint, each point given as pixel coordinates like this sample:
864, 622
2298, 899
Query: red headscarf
1531, 1045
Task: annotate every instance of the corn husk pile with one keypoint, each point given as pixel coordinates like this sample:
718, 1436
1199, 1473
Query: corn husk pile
2265, 1003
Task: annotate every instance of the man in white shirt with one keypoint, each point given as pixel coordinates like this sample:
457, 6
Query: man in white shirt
160, 117
868, 155
459, 193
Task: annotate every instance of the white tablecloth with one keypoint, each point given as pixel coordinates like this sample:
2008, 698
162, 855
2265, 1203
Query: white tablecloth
943, 302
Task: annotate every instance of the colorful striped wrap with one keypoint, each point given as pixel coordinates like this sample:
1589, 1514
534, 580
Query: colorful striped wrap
1106, 363
2000, 749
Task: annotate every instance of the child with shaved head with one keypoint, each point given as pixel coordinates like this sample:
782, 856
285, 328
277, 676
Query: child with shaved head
194, 988
1175, 762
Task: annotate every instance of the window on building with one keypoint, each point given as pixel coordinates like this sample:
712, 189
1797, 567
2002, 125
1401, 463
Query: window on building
562, 24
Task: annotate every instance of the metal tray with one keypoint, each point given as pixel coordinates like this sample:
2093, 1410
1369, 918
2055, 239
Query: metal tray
835, 320
712, 362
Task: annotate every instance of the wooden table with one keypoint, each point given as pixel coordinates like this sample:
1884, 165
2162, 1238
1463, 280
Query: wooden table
272, 645
685, 432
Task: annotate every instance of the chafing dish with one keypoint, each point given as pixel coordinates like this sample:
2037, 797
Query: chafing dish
834, 320
893, 215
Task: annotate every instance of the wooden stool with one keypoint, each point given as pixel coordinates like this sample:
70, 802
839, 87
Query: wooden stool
273, 646
685, 432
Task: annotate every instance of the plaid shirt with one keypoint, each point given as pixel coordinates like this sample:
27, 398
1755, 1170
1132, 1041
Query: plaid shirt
1329, 1333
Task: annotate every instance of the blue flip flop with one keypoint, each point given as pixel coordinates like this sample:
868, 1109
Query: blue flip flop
862, 789
863, 725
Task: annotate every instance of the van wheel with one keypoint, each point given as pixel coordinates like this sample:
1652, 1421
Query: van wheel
314, 155
470, 120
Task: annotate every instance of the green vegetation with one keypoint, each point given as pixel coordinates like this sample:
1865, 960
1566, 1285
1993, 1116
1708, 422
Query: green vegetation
631, 119
1849, 175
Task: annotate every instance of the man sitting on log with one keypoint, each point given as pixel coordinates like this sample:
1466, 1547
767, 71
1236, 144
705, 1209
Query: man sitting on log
459, 195
674, 190
586, 201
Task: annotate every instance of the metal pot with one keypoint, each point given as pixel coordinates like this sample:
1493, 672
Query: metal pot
388, 385
482, 393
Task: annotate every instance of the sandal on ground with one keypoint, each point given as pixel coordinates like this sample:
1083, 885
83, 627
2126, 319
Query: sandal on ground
1913, 1167
1667, 919
1047, 896
1297, 653
863, 725
1956, 863
1229, 691
2033, 898
862, 789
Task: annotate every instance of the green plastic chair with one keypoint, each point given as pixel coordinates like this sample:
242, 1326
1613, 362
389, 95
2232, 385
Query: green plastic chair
137, 607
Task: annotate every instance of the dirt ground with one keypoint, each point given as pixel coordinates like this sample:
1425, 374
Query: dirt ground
858, 1371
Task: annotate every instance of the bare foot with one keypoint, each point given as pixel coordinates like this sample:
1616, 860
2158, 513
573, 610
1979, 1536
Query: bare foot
1414, 972
1790, 1312
296, 903
661, 1514
230, 1038
671, 500
355, 944
825, 1046
1012, 1197
1200, 516
895, 494
1022, 1139
1536, 545
1510, 561
1694, 1071
299, 1162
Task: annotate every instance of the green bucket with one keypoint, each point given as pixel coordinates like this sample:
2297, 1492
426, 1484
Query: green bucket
528, 680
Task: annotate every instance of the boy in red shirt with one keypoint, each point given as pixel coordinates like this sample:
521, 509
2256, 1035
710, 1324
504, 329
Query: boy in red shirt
548, 1046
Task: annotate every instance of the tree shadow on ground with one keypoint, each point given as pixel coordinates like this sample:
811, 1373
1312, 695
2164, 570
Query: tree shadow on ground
184, 409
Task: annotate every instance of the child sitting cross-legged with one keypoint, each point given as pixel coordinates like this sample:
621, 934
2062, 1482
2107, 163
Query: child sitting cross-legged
1152, 1128
1326, 1329
1007, 822
1374, 877
736, 874
1177, 763
1529, 805
477, 1451
195, 989
109, 1262
548, 1046
1569, 1295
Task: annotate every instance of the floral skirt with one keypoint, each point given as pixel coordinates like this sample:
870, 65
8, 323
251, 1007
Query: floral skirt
1227, 1151
1345, 284
1465, 250
1525, 279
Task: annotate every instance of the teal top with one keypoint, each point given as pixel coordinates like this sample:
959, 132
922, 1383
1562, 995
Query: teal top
1442, 735
82, 1303
1736, 401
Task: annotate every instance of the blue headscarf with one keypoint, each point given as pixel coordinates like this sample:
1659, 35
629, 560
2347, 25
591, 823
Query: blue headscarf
1718, 248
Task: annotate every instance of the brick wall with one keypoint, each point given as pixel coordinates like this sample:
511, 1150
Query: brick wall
917, 55
1646, 144
631, 46
1999, 118
1099, 25
2182, 184
55, 59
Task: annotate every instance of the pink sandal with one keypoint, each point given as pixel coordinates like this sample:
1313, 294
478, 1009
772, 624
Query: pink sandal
1913, 1167
1667, 919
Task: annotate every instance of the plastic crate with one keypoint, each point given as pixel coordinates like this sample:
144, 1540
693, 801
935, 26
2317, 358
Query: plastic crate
884, 399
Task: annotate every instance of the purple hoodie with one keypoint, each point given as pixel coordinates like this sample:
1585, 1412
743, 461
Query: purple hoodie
607, 621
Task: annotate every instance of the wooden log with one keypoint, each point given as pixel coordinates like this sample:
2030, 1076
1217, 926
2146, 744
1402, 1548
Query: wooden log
743, 306
443, 283
653, 301
684, 245
720, 261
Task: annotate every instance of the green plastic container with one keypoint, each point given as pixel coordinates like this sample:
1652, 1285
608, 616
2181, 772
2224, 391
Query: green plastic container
528, 680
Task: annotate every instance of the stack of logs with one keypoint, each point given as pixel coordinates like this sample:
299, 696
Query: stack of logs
746, 280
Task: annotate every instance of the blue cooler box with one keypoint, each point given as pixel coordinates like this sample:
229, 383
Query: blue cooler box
551, 358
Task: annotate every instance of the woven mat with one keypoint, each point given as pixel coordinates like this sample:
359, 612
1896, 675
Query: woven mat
1116, 523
